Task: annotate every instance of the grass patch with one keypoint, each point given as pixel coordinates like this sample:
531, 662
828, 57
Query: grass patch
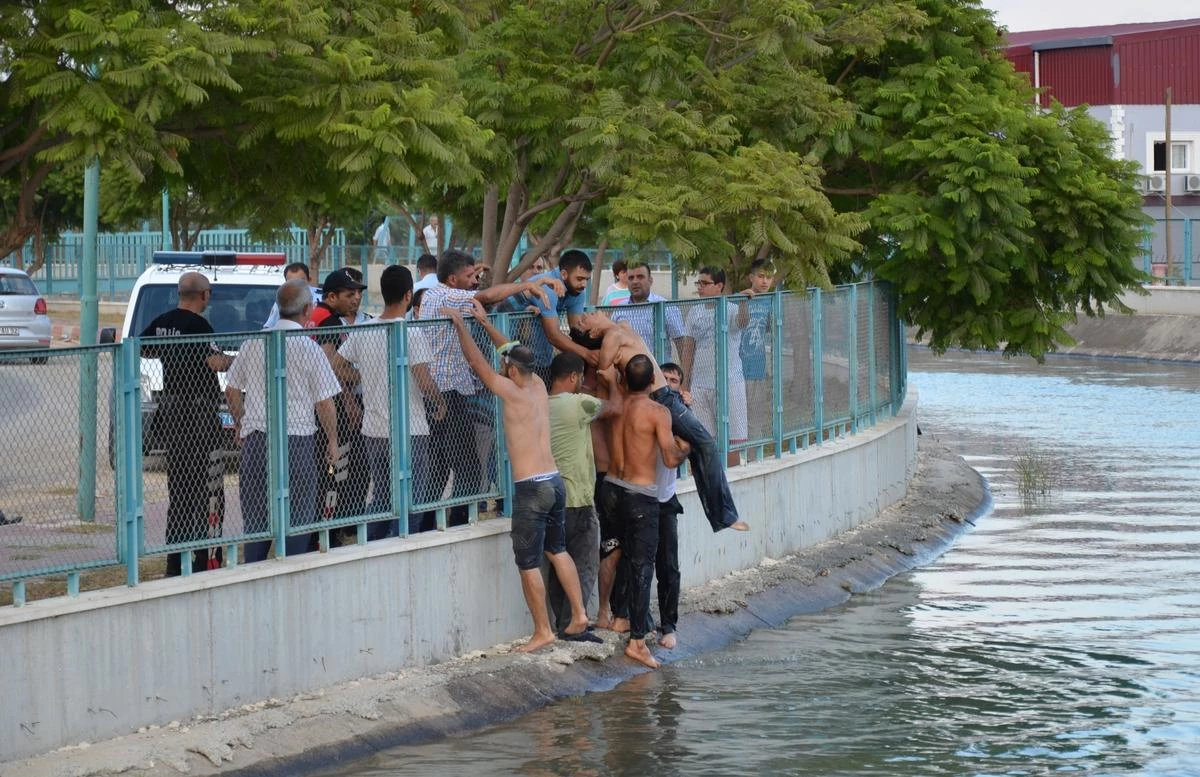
1038, 475
89, 580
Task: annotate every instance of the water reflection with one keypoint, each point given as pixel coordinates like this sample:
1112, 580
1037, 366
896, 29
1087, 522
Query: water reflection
1059, 636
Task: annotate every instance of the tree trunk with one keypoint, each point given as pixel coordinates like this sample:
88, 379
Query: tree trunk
597, 272
39, 252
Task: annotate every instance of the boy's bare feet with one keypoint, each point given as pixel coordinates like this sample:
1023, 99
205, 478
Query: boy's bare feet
740, 526
637, 650
620, 625
537, 642
667, 641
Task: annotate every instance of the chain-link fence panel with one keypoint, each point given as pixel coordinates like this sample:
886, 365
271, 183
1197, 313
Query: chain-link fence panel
58, 510
757, 350
798, 363
884, 327
463, 466
191, 451
838, 318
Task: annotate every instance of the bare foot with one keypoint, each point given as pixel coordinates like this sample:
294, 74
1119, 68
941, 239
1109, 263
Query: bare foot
620, 625
667, 641
577, 627
537, 642
637, 650
604, 621
740, 526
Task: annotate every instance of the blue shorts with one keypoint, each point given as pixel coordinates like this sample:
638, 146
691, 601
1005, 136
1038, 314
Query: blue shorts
538, 520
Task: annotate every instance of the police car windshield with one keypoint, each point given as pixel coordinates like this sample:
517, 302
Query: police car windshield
233, 308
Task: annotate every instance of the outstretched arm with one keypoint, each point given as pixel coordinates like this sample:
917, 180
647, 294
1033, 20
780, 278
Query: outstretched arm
478, 363
480, 313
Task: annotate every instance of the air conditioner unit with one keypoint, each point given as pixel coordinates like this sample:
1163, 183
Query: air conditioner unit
1191, 183
1157, 182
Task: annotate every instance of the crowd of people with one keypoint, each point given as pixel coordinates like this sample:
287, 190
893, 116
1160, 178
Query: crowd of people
594, 427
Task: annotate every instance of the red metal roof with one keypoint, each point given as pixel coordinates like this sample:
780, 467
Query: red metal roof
1112, 30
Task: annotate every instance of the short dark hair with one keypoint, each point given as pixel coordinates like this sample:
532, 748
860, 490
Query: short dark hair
394, 283
298, 267
636, 264
451, 262
716, 273
427, 263
566, 364
417, 297
761, 264
639, 372
582, 338
573, 259
522, 358
619, 266
672, 368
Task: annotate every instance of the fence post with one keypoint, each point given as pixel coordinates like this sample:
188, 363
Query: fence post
777, 370
852, 361
871, 354
721, 322
660, 332
1187, 252
127, 453
401, 469
277, 442
818, 366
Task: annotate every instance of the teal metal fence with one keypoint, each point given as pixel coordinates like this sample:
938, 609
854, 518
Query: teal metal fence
767, 376
1178, 267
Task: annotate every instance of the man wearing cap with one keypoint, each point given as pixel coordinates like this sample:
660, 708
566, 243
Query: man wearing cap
341, 296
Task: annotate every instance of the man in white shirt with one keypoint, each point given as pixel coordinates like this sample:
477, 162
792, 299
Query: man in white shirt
382, 241
432, 235
310, 384
368, 350
700, 368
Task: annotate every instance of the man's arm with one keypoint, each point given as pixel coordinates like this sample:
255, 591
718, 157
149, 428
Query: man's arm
687, 356
497, 337
674, 450
502, 291
425, 382
497, 384
327, 415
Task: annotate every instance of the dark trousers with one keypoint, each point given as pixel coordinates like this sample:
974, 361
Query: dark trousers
666, 565
454, 451
379, 459
302, 487
350, 494
195, 478
705, 462
583, 546
639, 546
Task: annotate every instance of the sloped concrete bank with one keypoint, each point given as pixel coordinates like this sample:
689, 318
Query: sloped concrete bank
318, 730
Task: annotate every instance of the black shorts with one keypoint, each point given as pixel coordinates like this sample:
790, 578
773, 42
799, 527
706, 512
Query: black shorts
538, 520
612, 527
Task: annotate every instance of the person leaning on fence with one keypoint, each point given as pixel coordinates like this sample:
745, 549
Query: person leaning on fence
539, 495
311, 385
188, 422
295, 270
756, 338
452, 436
637, 311
574, 271
368, 350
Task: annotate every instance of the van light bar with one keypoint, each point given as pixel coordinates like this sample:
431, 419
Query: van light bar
219, 258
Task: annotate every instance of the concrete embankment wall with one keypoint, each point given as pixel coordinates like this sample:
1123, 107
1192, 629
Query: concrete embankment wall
1164, 327
108, 662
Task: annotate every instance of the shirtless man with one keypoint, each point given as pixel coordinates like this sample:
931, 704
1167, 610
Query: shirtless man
619, 343
539, 498
643, 431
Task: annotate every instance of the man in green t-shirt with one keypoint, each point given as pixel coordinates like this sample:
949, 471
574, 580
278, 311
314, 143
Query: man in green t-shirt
571, 415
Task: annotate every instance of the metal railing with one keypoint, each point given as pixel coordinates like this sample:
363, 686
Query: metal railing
769, 375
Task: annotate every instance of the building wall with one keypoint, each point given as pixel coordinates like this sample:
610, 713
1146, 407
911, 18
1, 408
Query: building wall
108, 662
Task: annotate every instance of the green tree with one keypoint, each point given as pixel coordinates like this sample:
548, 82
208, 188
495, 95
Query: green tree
997, 223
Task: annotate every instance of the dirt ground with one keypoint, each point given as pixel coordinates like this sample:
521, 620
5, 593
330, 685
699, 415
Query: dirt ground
352, 720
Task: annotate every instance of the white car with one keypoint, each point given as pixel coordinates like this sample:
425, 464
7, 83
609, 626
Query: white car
243, 292
24, 323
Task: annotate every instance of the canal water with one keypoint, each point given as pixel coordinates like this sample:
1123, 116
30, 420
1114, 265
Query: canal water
1062, 635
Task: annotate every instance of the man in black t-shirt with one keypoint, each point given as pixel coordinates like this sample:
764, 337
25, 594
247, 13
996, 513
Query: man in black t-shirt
187, 422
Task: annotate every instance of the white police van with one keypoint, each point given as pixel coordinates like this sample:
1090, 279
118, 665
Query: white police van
243, 293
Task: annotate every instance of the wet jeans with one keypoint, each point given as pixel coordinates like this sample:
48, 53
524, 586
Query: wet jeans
704, 461
639, 547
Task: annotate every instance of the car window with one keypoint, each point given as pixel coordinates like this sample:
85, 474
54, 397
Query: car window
233, 307
16, 284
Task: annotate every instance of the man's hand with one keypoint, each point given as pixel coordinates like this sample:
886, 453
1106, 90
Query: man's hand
554, 284
478, 310
686, 396
536, 289
439, 408
748, 293
591, 358
331, 452
683, 445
